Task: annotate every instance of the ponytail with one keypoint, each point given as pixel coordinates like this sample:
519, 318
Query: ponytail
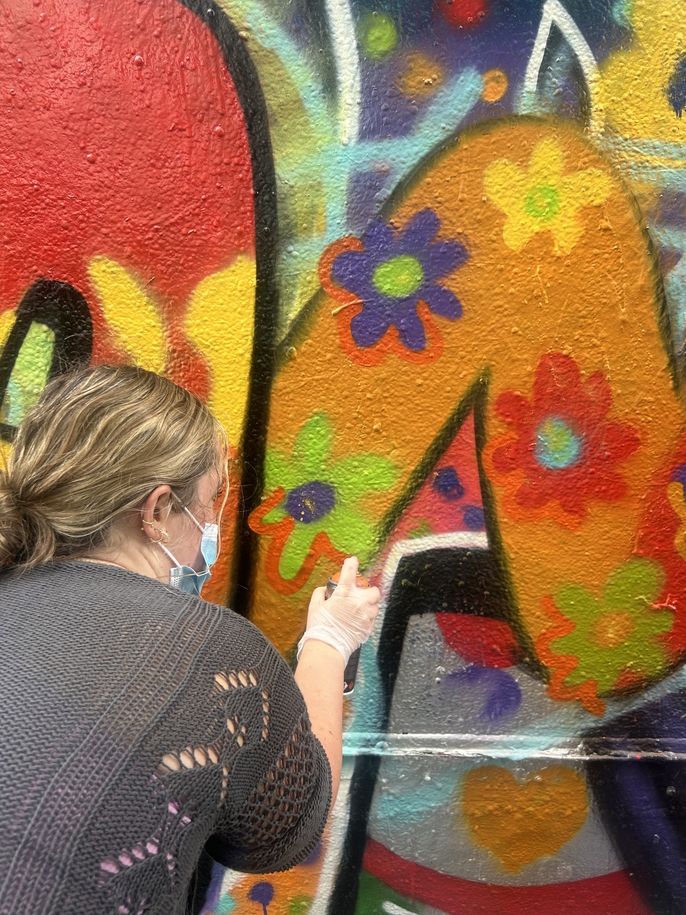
24, 532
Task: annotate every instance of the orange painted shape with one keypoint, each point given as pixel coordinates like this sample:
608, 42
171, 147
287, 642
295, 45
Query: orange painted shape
496, 85
519, 822
422, 75
595, 301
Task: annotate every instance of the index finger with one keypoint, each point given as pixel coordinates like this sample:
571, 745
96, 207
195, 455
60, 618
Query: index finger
348, 575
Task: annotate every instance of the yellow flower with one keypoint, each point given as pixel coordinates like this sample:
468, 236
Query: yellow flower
542, 198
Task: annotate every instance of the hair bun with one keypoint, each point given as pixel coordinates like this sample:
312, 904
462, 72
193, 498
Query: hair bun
23, 530
12, 533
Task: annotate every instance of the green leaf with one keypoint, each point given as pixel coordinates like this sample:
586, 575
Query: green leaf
351, 533
276, 514
362, 473
278, 471
295, 550
312, 447
577, 604
633, 586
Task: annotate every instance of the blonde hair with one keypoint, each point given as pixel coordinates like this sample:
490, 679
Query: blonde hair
98, 441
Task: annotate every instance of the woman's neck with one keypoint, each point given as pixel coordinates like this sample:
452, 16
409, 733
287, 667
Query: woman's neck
131, 561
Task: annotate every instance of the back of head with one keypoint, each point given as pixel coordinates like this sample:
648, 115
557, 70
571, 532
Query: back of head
98, 441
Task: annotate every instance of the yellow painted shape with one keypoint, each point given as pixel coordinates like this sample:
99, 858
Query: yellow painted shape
130, 313
544, 197
6, 325
219, 322
598, 304
634, 80
519, 822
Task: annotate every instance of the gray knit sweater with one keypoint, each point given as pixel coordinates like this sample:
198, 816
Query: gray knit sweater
139, 725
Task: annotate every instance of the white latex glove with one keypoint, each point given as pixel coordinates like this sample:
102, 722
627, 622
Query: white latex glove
346, 619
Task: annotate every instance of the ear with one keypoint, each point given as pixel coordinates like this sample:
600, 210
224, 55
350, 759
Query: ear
155, 512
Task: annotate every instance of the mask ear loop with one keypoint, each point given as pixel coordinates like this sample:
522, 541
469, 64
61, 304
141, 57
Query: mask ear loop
195, 521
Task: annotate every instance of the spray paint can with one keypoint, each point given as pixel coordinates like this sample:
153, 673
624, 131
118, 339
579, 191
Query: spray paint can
350, 672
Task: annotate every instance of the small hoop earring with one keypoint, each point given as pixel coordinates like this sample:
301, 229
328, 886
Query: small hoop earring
164, 535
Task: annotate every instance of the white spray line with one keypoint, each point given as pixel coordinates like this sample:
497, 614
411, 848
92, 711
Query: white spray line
230, 878
346, 56
392, 909
467, 540
555, 14
338, 830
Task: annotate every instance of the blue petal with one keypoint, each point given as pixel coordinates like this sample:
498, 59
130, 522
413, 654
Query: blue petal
369, 326
411, 330
442, 302
378, 239
504, 699
501, 692
351, 269
443, 257
419, 231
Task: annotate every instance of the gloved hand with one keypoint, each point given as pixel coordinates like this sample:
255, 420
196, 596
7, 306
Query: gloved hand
346, 619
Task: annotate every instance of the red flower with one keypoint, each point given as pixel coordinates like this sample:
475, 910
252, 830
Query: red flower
562, 449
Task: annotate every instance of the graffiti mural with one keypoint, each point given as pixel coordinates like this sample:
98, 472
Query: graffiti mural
426, 262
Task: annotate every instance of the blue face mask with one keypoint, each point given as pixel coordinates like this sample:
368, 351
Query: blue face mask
184, 577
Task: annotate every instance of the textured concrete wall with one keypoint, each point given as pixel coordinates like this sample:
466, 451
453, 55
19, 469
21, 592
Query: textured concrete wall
424, 260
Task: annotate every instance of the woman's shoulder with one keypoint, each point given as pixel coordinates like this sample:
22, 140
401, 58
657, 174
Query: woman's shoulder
109, 600
239, 644
127, 611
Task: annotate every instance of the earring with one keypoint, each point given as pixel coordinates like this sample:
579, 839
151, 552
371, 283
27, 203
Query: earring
164, 535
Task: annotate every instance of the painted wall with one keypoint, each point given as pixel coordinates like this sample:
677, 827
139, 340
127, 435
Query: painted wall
426, 262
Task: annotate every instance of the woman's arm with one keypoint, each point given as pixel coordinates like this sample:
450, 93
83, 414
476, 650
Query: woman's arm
319, 676
335, 628
280, 784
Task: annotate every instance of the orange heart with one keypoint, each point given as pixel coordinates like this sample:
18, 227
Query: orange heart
520, 822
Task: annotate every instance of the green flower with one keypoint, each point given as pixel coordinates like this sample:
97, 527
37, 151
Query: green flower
617, 634
322, 496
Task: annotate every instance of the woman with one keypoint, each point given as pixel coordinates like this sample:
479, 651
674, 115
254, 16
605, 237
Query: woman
141, 724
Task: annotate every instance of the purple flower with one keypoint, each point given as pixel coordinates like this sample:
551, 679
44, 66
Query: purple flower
395, 271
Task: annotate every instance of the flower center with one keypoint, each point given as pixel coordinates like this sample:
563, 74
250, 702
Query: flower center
613, 629
542, 202
557, 445
310, 501
398, 277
